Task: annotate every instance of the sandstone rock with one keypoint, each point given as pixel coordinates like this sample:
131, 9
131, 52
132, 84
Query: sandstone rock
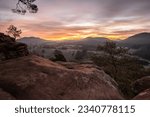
6, 39
145, 95
9, 48
33, 77
141, 84
5, 96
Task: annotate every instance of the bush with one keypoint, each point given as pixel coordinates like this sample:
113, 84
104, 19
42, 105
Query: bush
59, 56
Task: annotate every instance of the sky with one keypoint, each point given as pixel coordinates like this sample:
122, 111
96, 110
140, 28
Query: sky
77, 19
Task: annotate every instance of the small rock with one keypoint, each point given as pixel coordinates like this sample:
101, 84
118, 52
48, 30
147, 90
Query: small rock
145, 95
141, 84
5, 96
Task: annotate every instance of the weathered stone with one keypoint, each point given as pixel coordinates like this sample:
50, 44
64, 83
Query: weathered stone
6, 39
5, 96
9, 48
33, 77
141, 84
145, 95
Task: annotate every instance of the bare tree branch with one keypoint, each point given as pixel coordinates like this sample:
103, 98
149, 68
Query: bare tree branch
13, 31
23, 6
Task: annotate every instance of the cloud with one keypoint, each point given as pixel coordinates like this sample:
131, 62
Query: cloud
80, 17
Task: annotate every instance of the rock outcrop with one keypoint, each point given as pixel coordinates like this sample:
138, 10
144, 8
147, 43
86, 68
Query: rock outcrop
9, 48
145, 95
141, 84
141, 87
5, 96
33, 77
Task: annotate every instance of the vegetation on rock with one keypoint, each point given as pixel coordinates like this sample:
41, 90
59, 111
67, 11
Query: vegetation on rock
13, 31
120, 65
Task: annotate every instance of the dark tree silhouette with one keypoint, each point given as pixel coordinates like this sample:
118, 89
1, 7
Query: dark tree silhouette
23, 6
59, 56
13, 31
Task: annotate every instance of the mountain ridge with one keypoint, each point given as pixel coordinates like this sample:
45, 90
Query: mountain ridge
32, 40
140, 38
137, 39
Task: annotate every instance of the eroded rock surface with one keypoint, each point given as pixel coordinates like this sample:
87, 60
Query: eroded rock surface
33, 77
145, 95
141, 84
5, 95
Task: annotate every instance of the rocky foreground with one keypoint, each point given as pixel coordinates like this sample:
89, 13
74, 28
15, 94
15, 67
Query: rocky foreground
33, 77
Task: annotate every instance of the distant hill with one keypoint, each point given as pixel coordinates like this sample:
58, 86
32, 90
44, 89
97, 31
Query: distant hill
140, 43
32, 40
92, 41
138, 39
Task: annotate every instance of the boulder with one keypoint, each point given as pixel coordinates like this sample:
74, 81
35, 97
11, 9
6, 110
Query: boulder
33, 77
141, 84
5, 96
145, 95
6, 39
9, 48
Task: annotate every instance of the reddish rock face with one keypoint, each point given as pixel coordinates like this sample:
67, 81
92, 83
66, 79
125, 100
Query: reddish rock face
141, 84
33, 77
9, 48
5, 96
145, 95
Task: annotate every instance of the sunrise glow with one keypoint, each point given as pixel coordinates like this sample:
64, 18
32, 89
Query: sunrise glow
77, 19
